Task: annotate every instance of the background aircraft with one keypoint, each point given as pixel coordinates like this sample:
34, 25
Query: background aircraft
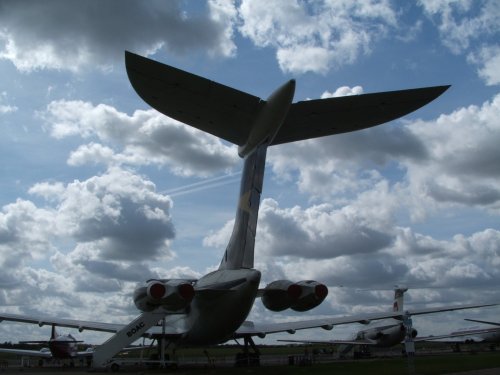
483, 321
213, 308
471, 335
384, 335
59, 347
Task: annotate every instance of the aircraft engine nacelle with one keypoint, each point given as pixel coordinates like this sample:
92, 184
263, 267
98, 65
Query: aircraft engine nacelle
280, 295
413, 333
173, 295
301, 296
313, 293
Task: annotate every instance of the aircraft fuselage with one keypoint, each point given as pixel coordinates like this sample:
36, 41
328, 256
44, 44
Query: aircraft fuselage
63, 347
222, 303
385, 336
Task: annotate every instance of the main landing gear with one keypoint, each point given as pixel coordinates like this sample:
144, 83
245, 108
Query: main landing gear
248, 358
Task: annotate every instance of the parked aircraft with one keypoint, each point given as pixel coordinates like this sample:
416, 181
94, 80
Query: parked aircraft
483, 321
384, 335
213, 309
381, 335
59, 347
471, 335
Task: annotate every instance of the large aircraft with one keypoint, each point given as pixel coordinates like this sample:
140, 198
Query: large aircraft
385, 335
59, 347
490, 335
213, 309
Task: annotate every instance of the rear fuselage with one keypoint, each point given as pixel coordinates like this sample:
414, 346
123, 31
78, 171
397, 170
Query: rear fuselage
223, 301
386, 336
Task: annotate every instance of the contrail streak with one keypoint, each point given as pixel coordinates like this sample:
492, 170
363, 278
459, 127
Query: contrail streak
203, 185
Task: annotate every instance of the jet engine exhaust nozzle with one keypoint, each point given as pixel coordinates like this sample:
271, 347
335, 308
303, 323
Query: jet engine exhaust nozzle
173, 295
301, 296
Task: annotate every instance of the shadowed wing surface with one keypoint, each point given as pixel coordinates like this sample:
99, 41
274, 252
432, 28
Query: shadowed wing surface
322, 117
332, 342
26, 352
210, 106
61, 322
259, 329
230, 114
41, 353
483, 321
248, 328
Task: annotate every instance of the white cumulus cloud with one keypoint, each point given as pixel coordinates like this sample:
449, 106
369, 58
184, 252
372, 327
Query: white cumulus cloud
316, 36
144, 138
72, 35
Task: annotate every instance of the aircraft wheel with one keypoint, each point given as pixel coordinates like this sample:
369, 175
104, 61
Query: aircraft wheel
115, 367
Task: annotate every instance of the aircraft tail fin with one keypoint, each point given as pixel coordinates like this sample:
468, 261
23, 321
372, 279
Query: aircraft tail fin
254, 124
398, 304
240, 250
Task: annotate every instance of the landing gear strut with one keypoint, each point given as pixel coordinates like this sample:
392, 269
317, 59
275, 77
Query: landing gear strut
247, 358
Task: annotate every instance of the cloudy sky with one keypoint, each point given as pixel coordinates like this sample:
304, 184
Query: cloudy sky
100, 192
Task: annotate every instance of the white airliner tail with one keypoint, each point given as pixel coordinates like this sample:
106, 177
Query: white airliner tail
398, 304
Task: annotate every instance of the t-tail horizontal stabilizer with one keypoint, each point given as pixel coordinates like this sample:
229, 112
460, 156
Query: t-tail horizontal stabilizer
242, 118
126, 336
254, 124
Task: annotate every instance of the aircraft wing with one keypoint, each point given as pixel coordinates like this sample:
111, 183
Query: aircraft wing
28, 353
447, 308
483, 321
476, 335
261, 329
86, 353
230, 114
70, 323
174, 324
332, 342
